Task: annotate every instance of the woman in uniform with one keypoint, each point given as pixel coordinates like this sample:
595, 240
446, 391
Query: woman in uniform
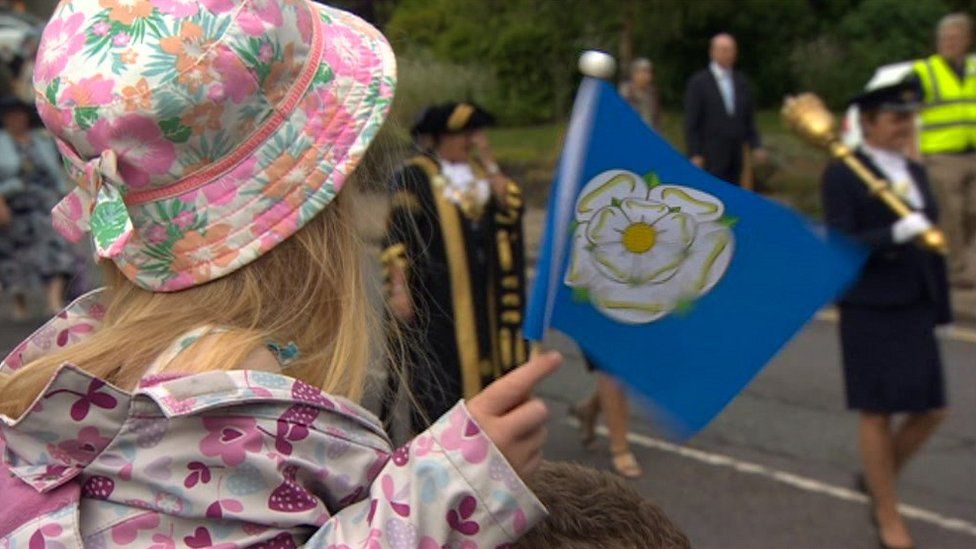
454, 263
888, 318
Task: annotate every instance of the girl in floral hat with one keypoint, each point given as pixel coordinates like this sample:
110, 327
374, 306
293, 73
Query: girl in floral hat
207, 396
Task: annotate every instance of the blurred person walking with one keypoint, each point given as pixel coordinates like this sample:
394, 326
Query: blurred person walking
948, 139
891, 358
32, 254
641, 92
610, 399
719, 117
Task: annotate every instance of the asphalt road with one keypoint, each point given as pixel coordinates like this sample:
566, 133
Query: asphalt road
774, 469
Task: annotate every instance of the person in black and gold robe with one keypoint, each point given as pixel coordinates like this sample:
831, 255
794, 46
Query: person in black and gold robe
454, 263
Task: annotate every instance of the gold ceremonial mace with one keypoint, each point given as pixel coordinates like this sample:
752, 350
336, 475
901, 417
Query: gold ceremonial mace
809, 118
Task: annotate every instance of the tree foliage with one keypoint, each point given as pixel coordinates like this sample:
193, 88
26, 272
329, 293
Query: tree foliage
528, 48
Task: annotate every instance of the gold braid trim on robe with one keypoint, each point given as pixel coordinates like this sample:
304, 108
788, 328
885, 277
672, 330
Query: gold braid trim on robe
510, 343
405, 200
394, 256
465, 329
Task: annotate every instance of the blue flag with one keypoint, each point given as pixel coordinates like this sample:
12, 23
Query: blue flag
675, 282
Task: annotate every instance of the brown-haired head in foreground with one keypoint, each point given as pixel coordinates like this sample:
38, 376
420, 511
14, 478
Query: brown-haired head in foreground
594, 509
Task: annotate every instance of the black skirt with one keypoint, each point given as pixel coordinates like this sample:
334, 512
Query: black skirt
891, 359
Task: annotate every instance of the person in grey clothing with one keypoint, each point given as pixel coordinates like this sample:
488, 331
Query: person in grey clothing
32, 254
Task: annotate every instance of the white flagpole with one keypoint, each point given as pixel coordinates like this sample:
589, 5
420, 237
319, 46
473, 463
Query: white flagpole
594, 65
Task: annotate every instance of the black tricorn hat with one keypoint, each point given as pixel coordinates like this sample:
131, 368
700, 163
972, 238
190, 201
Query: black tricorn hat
451, 118
904, 96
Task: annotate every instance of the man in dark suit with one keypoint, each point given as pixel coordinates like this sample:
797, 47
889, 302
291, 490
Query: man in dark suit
720, 115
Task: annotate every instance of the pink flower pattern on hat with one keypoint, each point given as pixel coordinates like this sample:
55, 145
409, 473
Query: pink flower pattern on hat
177, 8
61, 40
347, 53
258, 15
88, 92
141, 147
210, 107
218, 6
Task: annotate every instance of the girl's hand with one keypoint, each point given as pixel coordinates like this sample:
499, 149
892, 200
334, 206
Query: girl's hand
511, 417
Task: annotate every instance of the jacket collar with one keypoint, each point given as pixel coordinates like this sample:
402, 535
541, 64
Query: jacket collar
77, 415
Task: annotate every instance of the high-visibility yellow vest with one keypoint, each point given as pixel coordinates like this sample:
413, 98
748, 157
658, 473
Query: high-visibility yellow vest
949, 113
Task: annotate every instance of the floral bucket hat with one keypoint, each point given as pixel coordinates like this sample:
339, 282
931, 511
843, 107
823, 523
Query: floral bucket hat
204, 132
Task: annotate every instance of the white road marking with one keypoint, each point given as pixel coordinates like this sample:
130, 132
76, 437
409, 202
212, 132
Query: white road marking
796, 481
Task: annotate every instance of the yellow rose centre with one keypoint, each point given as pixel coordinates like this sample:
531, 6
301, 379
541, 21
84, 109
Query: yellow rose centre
639, 238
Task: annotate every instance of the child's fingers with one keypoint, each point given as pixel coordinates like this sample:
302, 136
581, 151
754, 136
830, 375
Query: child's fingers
526, 418
512, 389
529, 461
534, 441
531, 465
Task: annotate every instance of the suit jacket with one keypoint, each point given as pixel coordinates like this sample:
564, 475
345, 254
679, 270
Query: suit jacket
895, 275
709, 129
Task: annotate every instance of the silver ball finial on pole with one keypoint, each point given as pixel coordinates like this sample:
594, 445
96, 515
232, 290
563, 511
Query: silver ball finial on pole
597, 64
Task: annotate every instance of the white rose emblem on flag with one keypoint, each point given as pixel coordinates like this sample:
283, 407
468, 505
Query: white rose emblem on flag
642, 249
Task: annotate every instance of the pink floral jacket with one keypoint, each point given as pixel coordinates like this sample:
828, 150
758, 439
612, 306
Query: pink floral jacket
238, 459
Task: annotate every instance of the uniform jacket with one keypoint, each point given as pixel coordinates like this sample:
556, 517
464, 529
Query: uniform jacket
895, 275
239, 459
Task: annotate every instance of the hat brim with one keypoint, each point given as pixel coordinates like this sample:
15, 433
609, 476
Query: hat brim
899, 107
881, 98
885, 106
271, 192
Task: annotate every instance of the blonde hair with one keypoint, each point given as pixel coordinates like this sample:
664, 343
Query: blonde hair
310, 290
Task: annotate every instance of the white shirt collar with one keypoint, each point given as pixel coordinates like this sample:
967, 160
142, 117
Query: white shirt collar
884, 156
462, 182
719, 71
894, 167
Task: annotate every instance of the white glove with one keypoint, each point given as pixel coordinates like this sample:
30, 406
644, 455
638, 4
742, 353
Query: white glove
908, 227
